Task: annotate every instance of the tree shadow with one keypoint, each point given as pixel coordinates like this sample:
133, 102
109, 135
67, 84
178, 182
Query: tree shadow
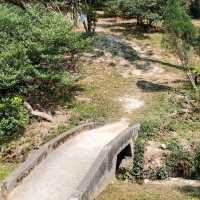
147, 86
129, 29
127, 51
192, 191
116, 47
121, 48
161, 62
50, 99
146, 66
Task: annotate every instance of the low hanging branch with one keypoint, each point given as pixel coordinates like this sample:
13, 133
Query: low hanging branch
37, 113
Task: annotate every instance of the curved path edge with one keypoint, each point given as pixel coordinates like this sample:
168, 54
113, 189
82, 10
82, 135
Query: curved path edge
104, 167
35, 158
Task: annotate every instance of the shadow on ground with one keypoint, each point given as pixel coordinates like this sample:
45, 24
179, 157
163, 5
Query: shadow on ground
128, 28
121, 48
147, 86
192, 191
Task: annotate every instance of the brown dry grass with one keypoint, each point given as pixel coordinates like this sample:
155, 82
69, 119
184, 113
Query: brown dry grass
131, 191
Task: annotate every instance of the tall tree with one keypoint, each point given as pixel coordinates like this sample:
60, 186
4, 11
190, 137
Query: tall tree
179, 33
196, 8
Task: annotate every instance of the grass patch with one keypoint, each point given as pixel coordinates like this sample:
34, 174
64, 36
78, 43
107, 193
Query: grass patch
57, 131
6, 169
131, 191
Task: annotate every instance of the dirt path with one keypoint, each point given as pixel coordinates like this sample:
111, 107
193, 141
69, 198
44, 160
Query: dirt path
138, 67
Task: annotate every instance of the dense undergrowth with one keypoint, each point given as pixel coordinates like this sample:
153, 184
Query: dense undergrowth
38, 54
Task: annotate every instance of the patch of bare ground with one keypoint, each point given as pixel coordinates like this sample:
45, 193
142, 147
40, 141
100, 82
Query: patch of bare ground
197, 22
153, 155
33, 137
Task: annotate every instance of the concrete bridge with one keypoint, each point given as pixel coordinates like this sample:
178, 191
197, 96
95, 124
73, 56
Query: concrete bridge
72, 168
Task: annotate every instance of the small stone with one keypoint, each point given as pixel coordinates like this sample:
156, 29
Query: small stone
163, 146
185, 110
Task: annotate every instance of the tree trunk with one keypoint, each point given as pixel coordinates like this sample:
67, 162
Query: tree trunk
37, 113
197, 8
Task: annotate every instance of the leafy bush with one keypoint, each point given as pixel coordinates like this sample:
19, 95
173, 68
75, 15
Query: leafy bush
148, 128
138, 168
145, 11
111, 8
180, 32
197, 161
173, 145
13, 117
179, 163
37, 49
159, 173
125, 174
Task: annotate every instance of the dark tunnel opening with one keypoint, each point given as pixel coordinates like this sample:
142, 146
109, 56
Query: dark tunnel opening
126, 152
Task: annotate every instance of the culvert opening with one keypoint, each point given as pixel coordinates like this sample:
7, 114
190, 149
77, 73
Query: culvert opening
126, 152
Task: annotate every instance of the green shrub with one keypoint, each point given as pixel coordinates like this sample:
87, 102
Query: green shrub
148, 128
159, 173
13, 117
37, 49
173, 145
125, 174
180, 163
138, 162
197, 161
179, 29
111, 8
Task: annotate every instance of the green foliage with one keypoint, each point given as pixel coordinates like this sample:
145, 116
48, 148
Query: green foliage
197, 161
138, 168
146, 11
6, 169
125, 174
111, 8
137, 172
81, 112
196, 69
159, 173
33, 46
180, 32
184, 163
173, 145
13, 117
148, 128
180, 163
